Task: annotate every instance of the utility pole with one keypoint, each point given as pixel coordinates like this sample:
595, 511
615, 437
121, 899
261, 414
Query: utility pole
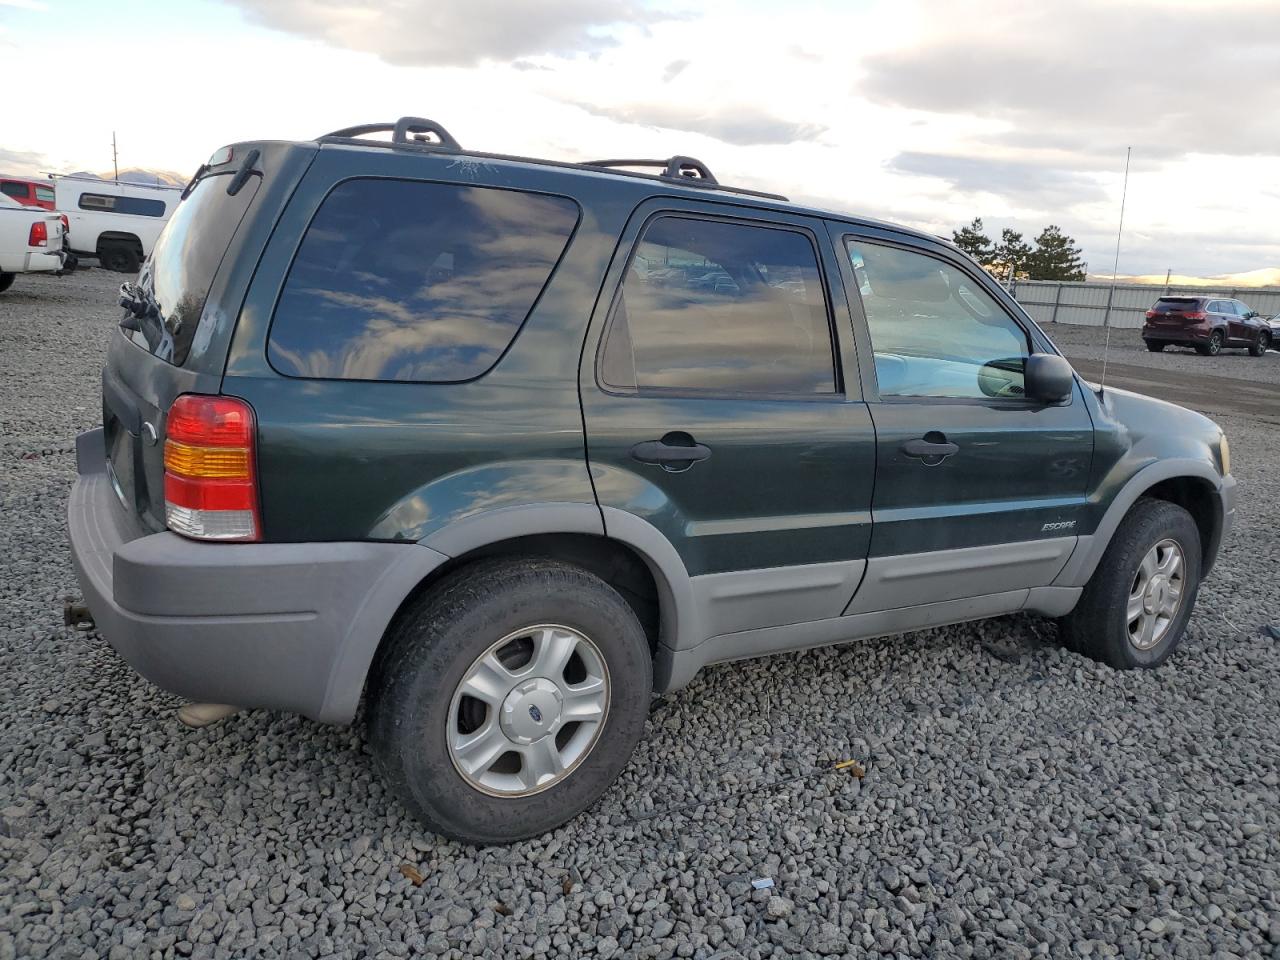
115, 160
1167, 274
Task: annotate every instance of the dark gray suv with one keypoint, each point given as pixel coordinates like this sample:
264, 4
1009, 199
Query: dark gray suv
506, 446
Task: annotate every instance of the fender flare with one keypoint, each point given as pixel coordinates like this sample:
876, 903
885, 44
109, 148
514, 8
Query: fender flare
350, 670
1089, 549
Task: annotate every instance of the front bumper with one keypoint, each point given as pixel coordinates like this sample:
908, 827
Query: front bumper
288, 626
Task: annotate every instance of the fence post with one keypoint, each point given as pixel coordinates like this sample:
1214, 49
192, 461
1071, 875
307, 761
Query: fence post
1057, 299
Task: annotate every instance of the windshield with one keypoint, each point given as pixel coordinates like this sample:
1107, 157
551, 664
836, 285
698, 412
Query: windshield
175, 280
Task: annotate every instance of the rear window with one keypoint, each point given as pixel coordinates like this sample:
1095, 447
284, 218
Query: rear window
177, 277
11, 189
413, 281
44, 194
110, 203
1176, 304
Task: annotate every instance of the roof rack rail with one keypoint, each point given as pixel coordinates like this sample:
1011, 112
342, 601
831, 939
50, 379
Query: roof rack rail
401, 130
681, 168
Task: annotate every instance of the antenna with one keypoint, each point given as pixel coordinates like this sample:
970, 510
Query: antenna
115, 160
1115, 270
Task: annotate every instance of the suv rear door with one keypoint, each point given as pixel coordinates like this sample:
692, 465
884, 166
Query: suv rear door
722, 408
978, 491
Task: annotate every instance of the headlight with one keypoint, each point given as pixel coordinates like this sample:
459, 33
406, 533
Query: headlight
1224, 454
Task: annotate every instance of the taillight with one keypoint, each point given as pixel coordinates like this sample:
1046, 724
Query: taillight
66, 224
1195, 316
210, 471
1151, 314
39, 235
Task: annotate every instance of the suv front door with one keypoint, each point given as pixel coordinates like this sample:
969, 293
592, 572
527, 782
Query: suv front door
719, 417
979, 491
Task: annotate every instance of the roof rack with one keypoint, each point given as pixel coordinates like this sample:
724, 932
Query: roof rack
412, 133
685, 168
401, 130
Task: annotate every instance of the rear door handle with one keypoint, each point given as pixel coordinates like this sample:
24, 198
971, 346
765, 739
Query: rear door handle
675, 452
932, 448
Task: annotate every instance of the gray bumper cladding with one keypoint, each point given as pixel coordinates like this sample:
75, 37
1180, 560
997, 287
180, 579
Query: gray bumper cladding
288, 626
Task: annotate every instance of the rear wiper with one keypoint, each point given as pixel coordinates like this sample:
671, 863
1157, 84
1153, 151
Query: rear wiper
191, 184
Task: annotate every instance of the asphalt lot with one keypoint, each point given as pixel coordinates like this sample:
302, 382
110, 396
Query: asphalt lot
1018, 800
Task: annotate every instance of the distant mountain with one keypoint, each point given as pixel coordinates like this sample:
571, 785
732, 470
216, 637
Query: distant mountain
1266, 277
163, 178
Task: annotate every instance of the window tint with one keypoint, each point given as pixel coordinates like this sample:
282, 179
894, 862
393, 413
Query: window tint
1177, 305
137, 206
720, 308
11, 189
934, 331
176, 277
403, 280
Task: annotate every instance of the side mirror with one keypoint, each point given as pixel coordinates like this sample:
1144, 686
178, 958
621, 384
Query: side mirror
1049, 378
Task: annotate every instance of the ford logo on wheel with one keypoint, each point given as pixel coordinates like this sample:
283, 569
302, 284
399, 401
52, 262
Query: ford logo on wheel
536, 714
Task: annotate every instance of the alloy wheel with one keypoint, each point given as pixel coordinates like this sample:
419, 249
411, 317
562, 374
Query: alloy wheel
528, 710
1155, 596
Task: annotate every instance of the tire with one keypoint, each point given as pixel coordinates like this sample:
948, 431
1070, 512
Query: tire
120, 257
6, 281
1213, 347
1154, 346
1099, 627
488, 612
1260, 346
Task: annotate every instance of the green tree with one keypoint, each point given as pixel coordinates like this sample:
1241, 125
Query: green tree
973, 241
1012, 253
1055, 257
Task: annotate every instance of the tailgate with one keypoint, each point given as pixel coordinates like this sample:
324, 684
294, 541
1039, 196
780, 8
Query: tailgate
171, 339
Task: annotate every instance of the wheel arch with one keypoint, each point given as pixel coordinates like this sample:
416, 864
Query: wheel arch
630, 558
109, 237
1193, 485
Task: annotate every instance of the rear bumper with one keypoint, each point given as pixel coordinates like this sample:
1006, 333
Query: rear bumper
1190, 334
41, 262
283, 626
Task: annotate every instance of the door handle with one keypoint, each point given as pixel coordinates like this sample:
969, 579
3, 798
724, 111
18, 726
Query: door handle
932, 448
675, 452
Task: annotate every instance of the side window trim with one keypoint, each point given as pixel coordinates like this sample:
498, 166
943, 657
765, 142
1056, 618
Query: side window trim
840, 375
843, 235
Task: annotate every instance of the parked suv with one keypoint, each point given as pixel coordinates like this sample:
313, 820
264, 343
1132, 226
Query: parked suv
1206, 323
507, 446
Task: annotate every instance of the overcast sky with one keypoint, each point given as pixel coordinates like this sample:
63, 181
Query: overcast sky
927, 113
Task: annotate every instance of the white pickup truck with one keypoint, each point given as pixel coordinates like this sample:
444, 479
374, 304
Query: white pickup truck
30, 241
114, 220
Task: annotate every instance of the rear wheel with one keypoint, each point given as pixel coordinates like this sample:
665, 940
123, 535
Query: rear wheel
1155, 346
1135, 607
120, 257
6, 281
507, 699
1213, 347
1260, 346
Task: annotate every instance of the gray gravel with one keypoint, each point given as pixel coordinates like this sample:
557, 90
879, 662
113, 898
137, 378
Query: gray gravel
1017, 800
1086, 343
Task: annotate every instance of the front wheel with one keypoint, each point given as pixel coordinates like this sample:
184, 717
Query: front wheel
1135, 607
508, 698
1260, 346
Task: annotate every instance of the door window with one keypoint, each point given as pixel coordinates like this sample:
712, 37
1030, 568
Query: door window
716, 307
934, 331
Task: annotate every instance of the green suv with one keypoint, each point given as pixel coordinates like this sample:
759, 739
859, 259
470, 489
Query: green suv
507, 446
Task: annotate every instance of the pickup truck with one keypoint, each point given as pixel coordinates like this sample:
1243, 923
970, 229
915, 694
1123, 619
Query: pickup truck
30, 241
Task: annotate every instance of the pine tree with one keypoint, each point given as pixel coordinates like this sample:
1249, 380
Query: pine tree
1055, 257
974, 242
1012, 253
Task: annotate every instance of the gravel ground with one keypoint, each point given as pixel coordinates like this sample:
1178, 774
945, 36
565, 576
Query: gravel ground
1086, 343
1017, 800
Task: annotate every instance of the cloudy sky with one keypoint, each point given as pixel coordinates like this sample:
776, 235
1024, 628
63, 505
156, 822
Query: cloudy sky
923, 112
